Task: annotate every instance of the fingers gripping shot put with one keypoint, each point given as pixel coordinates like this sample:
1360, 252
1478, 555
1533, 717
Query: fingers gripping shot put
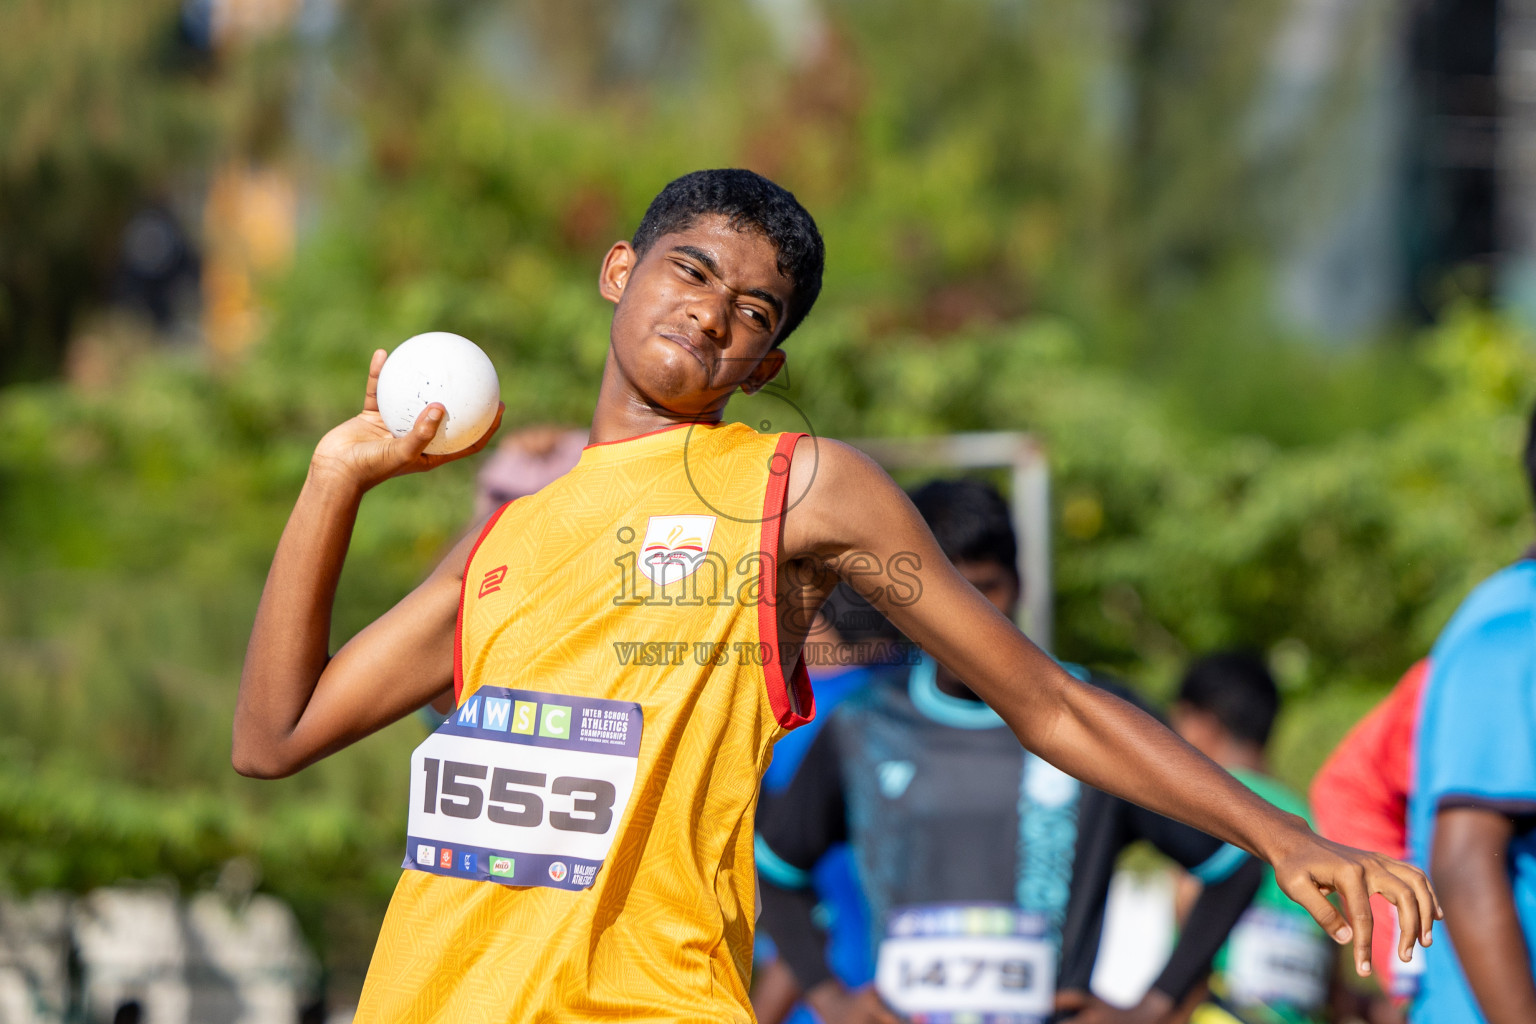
624, 648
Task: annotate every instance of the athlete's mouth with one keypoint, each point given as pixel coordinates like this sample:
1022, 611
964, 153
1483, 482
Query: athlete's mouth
688, 345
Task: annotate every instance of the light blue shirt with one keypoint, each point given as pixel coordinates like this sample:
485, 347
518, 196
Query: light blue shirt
1476, 743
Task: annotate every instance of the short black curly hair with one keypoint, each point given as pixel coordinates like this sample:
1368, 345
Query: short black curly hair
970, 520
1237, 688
750, 201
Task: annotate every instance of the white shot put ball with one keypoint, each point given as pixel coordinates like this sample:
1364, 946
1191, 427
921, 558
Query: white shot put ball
439, 367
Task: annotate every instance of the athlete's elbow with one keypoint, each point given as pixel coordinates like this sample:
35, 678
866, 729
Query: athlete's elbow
259, 760
258, 768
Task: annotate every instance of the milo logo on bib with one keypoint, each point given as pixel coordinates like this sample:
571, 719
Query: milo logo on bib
523, 788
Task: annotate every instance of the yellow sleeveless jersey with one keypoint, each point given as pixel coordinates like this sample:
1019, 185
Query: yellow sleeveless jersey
645, 575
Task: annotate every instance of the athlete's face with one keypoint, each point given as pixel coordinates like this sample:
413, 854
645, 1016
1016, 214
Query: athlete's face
996, 582
696, 318
1199, 728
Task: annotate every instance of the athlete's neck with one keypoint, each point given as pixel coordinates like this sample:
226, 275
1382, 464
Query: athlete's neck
1234, 753
623, 412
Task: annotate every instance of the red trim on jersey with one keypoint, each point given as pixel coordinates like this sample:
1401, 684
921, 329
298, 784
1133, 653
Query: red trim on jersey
458, 623
781, 697
648, 433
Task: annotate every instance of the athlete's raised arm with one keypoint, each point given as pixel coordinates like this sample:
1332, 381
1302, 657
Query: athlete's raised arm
847, 515
297, 704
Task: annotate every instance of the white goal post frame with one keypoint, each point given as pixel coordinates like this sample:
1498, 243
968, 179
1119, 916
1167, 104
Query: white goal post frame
1022, 455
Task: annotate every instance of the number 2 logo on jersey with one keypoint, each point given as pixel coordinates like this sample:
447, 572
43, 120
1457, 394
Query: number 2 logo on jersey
674, 546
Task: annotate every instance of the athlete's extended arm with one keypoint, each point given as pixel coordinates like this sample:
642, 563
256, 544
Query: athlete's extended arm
850, 516
297, 704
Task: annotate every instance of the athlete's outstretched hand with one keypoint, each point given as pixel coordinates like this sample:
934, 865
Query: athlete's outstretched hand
1315, 868
363, 450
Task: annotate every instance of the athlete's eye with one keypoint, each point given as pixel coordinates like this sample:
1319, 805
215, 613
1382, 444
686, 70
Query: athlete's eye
756, 317
691, 271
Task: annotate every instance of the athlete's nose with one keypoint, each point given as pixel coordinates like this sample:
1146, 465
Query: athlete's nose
709, 313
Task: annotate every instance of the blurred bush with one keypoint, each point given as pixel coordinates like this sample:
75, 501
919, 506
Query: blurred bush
147, 513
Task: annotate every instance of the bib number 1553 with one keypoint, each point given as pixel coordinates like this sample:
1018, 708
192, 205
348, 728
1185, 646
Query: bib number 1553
523, 788
513, 797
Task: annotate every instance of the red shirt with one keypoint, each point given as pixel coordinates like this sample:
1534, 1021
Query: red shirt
1359, 796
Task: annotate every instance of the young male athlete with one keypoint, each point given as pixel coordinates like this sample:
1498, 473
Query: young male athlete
624, 647
950, 821
1278, 967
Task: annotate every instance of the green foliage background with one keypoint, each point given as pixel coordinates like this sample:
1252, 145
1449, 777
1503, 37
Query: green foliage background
1007, 250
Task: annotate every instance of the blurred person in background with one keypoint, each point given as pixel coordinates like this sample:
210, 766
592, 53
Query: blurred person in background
1472, 807
525, 462
1279, 966
955, 828
1359, 797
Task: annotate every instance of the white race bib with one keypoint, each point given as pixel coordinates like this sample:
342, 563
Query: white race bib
1274, 957
523, 788
940, 963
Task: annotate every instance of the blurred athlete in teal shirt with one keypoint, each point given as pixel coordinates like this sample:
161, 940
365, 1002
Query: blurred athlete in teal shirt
1278, 966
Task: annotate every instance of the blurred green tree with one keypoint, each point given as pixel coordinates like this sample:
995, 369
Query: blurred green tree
101, 114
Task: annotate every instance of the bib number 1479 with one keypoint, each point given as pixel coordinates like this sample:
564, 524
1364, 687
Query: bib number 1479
942, 963
963, 973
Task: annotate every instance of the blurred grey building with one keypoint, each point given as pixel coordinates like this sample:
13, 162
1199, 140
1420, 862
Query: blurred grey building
1399, 136
1421, 186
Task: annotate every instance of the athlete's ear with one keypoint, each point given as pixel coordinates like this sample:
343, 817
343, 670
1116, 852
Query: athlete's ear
765, 371
614, 275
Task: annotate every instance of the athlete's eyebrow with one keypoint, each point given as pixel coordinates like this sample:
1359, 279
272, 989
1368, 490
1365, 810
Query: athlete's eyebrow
768, 297
694, 252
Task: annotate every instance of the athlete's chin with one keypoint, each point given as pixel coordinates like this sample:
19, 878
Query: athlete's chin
677, 383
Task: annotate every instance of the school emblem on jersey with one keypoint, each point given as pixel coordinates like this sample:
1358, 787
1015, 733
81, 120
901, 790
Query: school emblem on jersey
674, 546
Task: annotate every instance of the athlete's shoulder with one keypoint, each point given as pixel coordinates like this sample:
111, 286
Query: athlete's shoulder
1507, 599
828, 461
1511, 588
729, 439
839, 496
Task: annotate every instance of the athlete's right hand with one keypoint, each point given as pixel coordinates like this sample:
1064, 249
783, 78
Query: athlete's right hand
835, 1004
363, 452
